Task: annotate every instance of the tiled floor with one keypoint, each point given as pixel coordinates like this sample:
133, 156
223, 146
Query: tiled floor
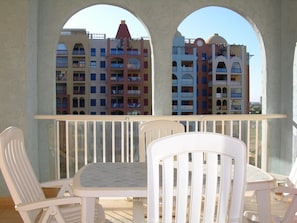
116, 211
120, 211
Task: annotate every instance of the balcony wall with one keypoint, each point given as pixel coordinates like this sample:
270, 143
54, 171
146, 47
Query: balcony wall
78, 140
32, 31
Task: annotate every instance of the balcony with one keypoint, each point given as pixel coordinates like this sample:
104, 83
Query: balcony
136, 92
83, 139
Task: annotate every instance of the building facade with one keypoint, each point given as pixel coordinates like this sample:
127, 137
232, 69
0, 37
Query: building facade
102, 76
98, 75
209, 77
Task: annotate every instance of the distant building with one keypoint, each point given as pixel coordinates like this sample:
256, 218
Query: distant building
102, 76
209, 77
98, 75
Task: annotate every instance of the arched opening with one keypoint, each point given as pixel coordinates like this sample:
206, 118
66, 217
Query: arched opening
234, 59
113, 55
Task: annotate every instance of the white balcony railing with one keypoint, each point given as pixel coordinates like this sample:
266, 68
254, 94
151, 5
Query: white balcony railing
82, 139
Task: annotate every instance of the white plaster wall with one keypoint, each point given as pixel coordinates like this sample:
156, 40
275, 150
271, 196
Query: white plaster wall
30, 31
18, 65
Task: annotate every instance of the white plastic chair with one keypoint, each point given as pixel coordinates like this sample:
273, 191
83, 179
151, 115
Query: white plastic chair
285, 198
149, 131
26, 191
203, 177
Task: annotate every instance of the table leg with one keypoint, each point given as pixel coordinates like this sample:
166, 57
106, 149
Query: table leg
138, 210
88, 209
264, 206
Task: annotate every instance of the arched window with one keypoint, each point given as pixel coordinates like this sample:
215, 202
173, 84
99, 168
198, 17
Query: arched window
236, 68
75, 102
133, 63
221, 67
78, 49
82, 102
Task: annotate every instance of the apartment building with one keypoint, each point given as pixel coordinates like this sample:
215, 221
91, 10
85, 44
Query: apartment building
209, 76
103, 76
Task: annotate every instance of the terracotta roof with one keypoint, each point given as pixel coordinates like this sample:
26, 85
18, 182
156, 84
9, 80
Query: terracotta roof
123, 31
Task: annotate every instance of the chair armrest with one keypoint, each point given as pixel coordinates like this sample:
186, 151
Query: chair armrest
284, 189
64, 186
48, 203
280, 179
57, 183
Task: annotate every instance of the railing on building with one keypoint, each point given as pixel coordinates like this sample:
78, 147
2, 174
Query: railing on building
82, 139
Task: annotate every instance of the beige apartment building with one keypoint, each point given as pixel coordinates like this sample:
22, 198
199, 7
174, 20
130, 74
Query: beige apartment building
103, 76
209, 76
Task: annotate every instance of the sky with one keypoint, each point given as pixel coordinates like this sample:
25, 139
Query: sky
230, 25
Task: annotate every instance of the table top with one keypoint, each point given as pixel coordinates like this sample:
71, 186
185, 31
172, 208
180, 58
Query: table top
130, 180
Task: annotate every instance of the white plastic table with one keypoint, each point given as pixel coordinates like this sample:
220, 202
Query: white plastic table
130, 180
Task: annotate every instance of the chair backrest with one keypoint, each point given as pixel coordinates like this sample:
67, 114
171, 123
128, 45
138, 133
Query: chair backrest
203, 176
292, 178
149, 131
18, 172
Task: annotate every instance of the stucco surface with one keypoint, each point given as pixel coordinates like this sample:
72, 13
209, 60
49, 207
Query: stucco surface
30, 32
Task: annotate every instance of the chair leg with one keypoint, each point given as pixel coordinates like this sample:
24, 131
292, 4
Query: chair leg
290, 214
138, 210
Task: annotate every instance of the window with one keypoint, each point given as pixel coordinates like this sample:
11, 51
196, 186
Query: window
74, 102
102, 102
145, 64
145, 102
93, 102
93, 52
203, 56
204, 105
145, 90
102, 89
102, 52
93, 89
102, 64
145, 77
204, 80
61, 62
92, 63
78, 89
204, 68
82, 102
204, 92
102, 77
93, 77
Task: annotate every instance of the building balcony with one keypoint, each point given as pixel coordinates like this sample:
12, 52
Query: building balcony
136, 79
187, 107
117, 78
134, 92
133, 105
187, 94
117, 92
133, 66
117, 52
117, 105
116, 65
78, 52
133, 52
